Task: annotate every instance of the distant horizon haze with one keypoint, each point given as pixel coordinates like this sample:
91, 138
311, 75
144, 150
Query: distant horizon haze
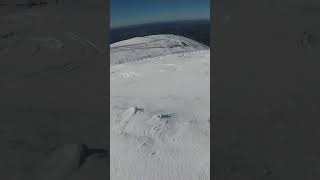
160, 22
198, 30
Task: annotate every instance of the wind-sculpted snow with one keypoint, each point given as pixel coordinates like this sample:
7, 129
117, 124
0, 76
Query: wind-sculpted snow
151, 46
160, 108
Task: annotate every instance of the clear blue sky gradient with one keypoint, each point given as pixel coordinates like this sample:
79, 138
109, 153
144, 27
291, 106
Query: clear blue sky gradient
131, 12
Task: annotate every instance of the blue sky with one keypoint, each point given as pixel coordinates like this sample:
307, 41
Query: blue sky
130, 12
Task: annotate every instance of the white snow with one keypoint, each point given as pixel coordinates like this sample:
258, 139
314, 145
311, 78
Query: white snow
160, 108
151, 46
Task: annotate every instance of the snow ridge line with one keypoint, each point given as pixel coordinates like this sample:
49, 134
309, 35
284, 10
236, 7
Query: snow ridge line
162, 56
187, 53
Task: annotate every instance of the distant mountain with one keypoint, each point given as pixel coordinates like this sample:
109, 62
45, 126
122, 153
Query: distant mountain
198, 30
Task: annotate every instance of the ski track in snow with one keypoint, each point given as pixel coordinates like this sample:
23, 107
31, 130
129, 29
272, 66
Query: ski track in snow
159, 112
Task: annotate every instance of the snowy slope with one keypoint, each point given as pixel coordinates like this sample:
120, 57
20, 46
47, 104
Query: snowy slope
151, 46
160, 111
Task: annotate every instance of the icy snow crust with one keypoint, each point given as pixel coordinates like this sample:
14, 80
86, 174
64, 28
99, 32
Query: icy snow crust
160, 111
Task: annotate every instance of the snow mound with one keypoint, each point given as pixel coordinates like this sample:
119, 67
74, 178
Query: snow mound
151, 46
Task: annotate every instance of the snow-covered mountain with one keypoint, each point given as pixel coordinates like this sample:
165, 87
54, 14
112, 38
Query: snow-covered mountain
160, 109
151, 46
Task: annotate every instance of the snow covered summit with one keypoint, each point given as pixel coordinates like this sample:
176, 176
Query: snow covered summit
151, 46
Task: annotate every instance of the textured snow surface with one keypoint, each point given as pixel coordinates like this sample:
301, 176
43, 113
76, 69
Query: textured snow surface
151, 46
160, 110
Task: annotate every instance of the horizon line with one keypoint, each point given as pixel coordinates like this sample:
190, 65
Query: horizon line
160, 22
